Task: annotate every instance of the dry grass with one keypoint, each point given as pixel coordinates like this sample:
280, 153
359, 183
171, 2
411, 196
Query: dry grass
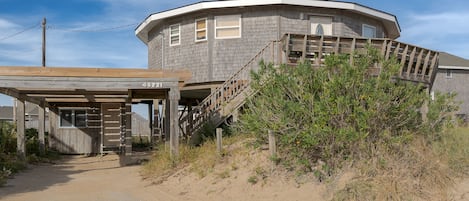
200, 160
418, 171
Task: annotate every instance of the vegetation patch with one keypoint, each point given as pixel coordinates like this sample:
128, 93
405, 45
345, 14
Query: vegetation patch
200, 160
360, 114
10, 163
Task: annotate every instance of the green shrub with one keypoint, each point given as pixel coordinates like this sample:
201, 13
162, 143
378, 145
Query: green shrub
337, 112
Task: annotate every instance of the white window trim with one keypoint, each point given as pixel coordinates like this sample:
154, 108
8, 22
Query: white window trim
73, 118
369, 26
197, 30
228, 27
178, 35
450, 72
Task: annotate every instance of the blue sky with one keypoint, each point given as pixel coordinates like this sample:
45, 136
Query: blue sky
100, 33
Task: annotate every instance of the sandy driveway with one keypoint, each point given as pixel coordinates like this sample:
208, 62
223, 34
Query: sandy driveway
82, 178
78, 178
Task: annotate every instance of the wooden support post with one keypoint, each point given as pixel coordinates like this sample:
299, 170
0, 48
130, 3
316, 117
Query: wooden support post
20, 130
272, 144
41, 128
219, 140
173, 98
352, 50
156, 119
166, 117
319, 56
128, 125
190, 126
150, 121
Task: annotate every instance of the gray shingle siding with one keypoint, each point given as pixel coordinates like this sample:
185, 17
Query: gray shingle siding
217, 59
457, 83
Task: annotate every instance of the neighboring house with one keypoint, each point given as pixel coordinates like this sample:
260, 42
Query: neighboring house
140, 125
453, 77
6, 114
31, 115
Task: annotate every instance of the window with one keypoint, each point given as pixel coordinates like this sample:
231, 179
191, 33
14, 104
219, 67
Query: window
449, 73
72, 118
228, 26
321, 25
201, 29
174, 34
368, 31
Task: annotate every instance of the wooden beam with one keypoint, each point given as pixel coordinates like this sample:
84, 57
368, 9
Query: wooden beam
411, 60
85, 100
352, 50
419, 62
383, 47
85, 83
128, 126
182, 75
174, 97
305, 42
41, 129
20, 129
426, 63
337, 46
319, 57
16, 94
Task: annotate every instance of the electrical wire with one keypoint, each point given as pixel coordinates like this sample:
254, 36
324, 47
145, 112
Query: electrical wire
93, 30
19, 32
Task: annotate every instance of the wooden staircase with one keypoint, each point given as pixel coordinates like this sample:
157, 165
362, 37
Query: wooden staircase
417, 65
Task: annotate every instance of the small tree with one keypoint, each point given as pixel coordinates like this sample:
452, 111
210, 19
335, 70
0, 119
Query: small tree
334, 112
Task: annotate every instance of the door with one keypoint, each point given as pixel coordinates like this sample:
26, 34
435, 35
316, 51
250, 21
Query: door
112, 125
321, 25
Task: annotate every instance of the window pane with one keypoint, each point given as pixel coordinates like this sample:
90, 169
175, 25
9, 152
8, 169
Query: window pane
174, 35
231, 32
369, 31
65, 118
80, 118
319, 30
201, 35
201, 24
174, 40
227, 21
174, 29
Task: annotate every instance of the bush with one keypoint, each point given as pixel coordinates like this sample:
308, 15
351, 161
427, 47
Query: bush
340, 111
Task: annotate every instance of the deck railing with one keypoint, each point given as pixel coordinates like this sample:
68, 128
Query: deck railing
417, 65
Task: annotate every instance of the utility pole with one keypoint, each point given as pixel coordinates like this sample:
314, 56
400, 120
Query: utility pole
44, 42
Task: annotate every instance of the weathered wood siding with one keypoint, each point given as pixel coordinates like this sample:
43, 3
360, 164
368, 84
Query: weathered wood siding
76, 140
217, 59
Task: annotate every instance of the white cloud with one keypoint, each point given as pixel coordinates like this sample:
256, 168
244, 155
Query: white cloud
445, 31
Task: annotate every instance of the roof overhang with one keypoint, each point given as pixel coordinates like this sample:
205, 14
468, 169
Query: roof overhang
454, 67
47, 85
389, 20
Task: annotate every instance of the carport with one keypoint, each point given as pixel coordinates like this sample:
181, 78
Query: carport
91, 106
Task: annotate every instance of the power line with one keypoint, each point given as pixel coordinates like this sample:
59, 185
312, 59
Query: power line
93, 30
19, 32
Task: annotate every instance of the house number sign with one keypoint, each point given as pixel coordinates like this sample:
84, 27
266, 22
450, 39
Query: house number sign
152, 85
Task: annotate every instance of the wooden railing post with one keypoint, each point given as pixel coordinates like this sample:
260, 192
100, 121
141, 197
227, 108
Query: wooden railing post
272, 144
219, 140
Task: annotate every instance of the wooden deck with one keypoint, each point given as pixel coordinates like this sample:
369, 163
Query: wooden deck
417, 65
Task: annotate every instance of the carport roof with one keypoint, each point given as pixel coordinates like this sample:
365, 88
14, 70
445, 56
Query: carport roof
58, 84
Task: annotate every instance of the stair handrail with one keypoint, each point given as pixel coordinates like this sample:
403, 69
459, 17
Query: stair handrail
213, 102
